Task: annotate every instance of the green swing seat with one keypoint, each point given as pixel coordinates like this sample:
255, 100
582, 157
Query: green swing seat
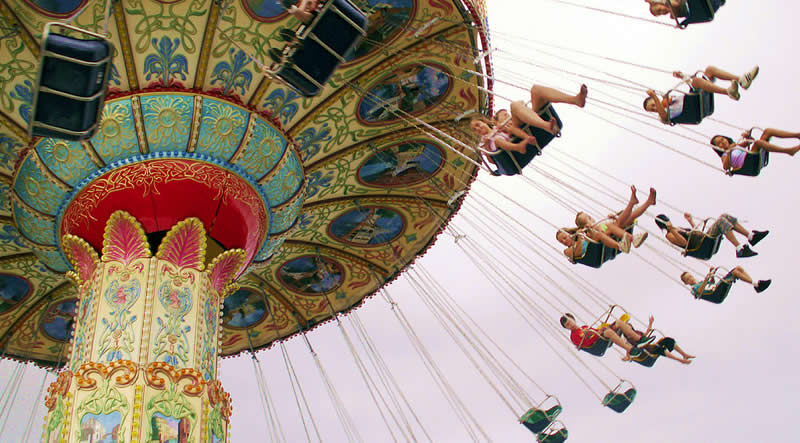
537, 420
619, 401
558, 436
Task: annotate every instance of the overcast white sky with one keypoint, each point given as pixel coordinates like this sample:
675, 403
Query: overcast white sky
742, 386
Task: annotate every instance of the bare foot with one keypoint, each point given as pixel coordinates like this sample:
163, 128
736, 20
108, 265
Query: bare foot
686, 361
652, 197
627, 358
634, 198
580, 99
794, 150
553, 129
688, 357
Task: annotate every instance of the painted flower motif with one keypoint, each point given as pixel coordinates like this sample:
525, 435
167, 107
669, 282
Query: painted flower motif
119, 297
9, 234
8, 146
116, 134
233, 76
310, 141
166, 63
283, 104
167, 118
24, 93
316, 182
174, 302
224, 123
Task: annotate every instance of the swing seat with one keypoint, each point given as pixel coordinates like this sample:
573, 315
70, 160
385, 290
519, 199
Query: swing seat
558, 436
645, 359
619, 401
703, 249
701, 11
321, 47
595, 254
697, 105
599, 347
537, 420
753, 163
719, 295
72, 84
512, 162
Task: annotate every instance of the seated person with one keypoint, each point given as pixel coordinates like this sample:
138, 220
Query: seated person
586, 337
302, 10
671, 106
725, 224
577, 241
661, 7
708, 286
541, 96
663, 347
493, 139
633, 342
734, 154
619, 222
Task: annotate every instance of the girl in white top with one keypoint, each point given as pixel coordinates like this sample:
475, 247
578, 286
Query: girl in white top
671, 106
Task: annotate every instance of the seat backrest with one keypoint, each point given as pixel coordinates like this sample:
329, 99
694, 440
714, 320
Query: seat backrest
599, 347
701, 11
753, 163
703, 246
619, 401
503, 159
646, 359
71, 86
323, 46
696, 105
719, 295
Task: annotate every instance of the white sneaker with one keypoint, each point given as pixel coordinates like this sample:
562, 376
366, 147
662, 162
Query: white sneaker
638, 239
747, 79
733, 91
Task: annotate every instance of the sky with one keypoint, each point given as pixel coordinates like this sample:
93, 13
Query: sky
742, 385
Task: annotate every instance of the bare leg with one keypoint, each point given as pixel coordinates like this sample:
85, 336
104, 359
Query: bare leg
616, 339
683, 353
741, 230
771, 147
618, 232
627, 331
713, 72
780, 133
523, 114
705, 85
542, 95
672, 356
626, 218
604, 238
739, 273
732, 238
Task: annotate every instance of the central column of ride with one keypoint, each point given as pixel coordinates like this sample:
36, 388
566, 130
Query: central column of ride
146, 339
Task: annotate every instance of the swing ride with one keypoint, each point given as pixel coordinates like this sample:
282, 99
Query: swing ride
183, 181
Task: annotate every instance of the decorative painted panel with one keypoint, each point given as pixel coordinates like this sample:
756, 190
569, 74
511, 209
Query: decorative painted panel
35, 189
116, 138
265, 147
168, 121
33, 226
222, 127
66, 159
